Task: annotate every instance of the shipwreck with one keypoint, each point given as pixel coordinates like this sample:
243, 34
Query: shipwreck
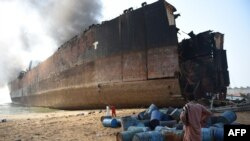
130, 61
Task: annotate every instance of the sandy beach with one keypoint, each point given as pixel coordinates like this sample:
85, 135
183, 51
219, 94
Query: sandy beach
67, 125
59, 126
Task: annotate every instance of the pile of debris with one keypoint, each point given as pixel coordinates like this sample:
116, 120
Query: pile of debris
153, 123
234, 107
164, 124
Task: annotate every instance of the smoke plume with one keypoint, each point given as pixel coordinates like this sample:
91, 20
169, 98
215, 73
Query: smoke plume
65, 18
33, 29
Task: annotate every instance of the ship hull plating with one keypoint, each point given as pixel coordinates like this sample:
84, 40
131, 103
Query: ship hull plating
130, 61
125, 94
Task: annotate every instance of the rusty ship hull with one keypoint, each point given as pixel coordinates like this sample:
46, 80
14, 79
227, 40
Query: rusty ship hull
130, 61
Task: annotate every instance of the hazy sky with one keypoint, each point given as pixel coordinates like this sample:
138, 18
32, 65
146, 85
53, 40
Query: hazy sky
31, 19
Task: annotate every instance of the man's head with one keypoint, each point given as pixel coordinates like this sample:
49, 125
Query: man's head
191, 97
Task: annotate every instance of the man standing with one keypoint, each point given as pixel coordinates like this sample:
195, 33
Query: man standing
113, 111
194, 116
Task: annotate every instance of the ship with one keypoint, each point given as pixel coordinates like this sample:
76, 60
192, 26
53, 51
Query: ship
131, 61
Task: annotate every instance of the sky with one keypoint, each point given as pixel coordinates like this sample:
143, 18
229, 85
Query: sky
33, 29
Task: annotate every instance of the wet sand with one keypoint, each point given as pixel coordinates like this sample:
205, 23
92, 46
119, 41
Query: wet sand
67, 125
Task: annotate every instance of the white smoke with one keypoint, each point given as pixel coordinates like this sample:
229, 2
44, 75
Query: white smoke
33, 29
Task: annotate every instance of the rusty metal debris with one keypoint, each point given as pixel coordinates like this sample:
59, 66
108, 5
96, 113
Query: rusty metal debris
203, 65
235, 108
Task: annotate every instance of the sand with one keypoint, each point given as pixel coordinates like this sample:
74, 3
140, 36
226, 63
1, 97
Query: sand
59, 126
67, 126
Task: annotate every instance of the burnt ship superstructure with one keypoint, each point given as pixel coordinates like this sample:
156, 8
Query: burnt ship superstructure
130, 61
